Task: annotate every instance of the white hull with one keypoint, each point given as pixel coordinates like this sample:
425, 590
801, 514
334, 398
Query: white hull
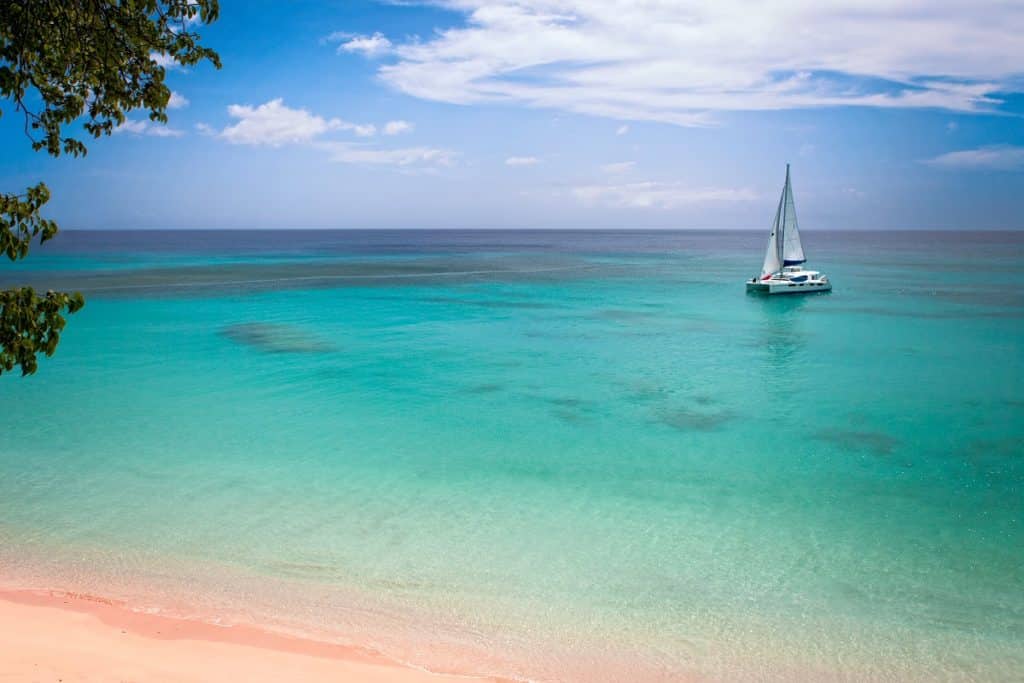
774, 286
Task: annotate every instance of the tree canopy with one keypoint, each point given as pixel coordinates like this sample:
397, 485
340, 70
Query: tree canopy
65, 60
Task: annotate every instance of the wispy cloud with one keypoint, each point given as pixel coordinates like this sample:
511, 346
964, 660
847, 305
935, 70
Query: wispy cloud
995, 158
397, 127
618, 167
143, 127
363, 130
177, 101
368, 46
164, 60
657, 195
351, 153
679, 62
622, 130
522, 161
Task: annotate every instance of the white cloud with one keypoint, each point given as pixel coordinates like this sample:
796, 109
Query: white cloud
997, 157
143, 127
397, 127
166, 61
368, 46
350, 153
680, 61
363, 130
183, 23
522, 161
618, 167
622, 130
656, 195
177, 101
275, 124
130, 126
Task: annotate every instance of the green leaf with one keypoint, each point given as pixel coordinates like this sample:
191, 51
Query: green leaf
59, 62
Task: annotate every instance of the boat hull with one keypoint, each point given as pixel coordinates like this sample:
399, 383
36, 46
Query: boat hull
785, 287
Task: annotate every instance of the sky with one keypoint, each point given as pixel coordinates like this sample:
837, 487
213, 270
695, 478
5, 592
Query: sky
568, 114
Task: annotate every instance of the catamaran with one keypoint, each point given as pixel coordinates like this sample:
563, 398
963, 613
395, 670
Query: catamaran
783, 271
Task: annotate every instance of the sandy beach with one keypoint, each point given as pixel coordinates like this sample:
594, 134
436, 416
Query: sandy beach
57, 636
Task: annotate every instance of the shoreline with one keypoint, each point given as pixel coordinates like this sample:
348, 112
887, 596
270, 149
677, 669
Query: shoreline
55, 634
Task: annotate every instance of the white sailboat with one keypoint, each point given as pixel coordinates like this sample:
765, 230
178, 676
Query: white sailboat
783, 271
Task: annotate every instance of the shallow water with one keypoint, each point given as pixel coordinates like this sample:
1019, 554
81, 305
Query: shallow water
554, 455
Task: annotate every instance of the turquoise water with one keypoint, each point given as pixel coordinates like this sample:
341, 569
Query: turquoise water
558, 456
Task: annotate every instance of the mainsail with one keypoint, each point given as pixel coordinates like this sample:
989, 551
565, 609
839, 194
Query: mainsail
792, 250
784, 248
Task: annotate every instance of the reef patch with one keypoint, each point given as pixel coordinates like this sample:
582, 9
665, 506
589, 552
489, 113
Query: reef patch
276, 338
877, 443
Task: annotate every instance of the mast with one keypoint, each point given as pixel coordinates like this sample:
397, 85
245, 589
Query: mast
781, 241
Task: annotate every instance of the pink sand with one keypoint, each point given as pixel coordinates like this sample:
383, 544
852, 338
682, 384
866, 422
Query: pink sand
51, 636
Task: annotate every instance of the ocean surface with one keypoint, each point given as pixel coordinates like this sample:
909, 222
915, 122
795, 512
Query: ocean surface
552, 455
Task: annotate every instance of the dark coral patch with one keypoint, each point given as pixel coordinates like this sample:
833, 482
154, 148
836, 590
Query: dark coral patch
275, 338
878, 443
686, 419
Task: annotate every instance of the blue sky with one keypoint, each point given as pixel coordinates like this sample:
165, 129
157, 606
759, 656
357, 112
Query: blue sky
568, 114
